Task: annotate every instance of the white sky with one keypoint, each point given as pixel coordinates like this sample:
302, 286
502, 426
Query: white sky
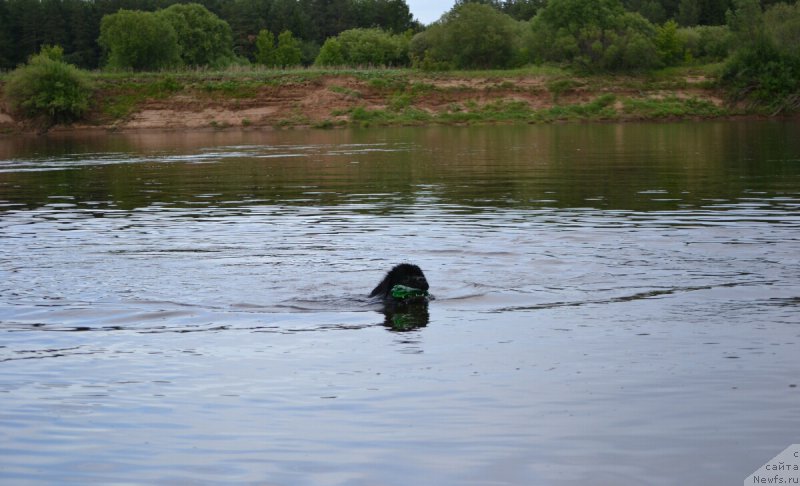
427, 11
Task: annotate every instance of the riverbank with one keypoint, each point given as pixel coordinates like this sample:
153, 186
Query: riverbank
368, 97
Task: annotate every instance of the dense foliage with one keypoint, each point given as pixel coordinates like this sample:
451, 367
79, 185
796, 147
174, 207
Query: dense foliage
48, 89
472, 35
517, 9
758, 39
364, 47
139, 40
26, 25
765, 67
285, 53
595, 34
204, 39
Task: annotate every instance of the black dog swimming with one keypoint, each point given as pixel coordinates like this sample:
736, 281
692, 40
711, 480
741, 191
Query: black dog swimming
404, 293
406, 275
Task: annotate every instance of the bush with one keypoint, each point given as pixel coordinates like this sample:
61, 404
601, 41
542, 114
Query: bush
364, 47
49, 89
139, 40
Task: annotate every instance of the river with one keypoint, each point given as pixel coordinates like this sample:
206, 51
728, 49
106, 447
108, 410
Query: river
614, 304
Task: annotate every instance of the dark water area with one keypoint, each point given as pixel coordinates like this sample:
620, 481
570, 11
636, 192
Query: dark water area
613, 304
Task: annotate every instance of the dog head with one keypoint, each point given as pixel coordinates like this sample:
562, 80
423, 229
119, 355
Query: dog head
405, 274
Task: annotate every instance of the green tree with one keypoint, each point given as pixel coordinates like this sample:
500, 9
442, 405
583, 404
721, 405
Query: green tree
364, 47
84, 28
652, 10
55, 53
471, 35
706, 43
516, 9
204, 39
782, 26
27, 31
746, 21
48, 89
575, 16
763, 68
330, 17
7, 47
669, 44
54, 23
594, 35
522, 9
139, 40
390, 15
265, 48
331, 53
702, 12
246, 18
486, 38
289, 15
288, 52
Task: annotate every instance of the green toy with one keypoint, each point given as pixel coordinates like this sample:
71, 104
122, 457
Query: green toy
401, 292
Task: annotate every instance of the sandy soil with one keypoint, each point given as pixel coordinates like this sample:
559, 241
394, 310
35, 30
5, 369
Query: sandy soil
328, 99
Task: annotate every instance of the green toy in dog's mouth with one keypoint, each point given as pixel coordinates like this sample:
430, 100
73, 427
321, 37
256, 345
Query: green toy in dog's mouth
402, 292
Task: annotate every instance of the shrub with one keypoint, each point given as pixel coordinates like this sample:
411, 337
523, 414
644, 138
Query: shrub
49, 89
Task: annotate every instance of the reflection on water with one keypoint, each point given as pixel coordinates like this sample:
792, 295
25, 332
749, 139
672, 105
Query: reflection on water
407, 316
612, 303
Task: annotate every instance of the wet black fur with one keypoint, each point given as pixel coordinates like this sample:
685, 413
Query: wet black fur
406, 314
403, 274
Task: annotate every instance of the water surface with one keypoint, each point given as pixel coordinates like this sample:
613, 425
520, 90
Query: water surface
614, 304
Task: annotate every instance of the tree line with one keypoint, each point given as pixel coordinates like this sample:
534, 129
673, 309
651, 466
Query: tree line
74, 25
27, 25
760, 45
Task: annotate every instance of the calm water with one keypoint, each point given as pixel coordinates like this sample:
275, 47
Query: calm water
615, 305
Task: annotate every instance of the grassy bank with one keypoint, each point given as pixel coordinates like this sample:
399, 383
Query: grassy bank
327, 98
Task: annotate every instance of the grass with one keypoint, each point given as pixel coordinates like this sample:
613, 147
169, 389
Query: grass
412, 97
472, 112
350, 93
672, 107
230, 88
605, 107
560, 86
125, 95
